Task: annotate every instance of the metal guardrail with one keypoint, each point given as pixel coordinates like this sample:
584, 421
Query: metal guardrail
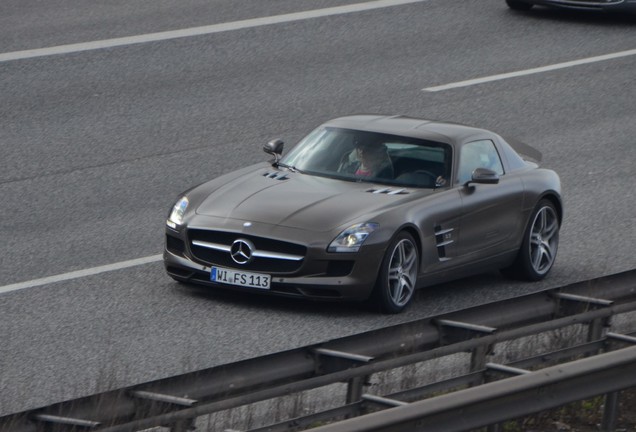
175, 402
503, 400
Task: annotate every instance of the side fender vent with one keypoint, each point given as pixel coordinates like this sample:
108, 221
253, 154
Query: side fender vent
443, 238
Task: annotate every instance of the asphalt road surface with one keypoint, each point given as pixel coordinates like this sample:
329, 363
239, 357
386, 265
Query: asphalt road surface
108, 111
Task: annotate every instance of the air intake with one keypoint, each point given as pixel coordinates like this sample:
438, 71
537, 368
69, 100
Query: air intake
389, 191
276, 175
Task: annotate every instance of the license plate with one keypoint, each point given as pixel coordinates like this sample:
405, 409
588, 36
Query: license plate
240, 278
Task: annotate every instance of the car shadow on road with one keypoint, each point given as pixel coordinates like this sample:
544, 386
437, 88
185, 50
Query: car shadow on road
428, 301
277, 304
597, 18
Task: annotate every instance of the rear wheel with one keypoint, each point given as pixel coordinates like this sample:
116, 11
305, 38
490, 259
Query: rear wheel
540, 243
398, 275
518, 5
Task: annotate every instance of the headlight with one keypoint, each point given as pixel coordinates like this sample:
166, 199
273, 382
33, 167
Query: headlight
176, 215
352, 238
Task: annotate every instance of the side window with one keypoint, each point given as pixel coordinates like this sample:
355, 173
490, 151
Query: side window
478, 154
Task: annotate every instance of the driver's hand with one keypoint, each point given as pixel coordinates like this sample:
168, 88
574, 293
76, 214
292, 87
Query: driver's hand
440, 181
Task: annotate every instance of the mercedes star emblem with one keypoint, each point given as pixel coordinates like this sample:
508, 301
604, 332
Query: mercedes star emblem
241, 251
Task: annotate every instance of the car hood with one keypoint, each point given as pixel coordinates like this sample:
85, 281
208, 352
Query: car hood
301, 201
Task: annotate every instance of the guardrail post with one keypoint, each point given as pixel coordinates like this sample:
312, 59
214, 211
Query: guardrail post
597, 327
355, 392
497, 427
478, 362
596, 331
328, 360
610, 412
478, 357
355, 389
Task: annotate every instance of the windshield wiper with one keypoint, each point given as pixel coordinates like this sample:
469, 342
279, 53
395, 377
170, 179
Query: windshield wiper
289, 167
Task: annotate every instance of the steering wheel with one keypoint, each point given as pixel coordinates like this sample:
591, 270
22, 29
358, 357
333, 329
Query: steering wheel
419, 178
428, 173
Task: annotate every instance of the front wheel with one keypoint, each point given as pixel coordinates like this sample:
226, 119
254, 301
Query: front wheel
518, 5
398, 275
540, 243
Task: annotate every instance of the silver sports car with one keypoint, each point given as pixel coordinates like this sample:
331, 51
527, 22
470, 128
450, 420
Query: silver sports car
370, 207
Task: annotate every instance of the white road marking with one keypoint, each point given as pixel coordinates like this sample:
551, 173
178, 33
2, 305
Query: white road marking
537, 70
204, 30
80, 273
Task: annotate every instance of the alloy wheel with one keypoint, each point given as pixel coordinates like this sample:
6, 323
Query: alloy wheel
402, 272
544, 239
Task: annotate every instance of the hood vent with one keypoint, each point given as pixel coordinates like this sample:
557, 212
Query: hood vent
389, 191
276, 175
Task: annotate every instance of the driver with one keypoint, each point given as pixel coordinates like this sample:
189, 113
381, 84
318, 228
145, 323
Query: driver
369, 159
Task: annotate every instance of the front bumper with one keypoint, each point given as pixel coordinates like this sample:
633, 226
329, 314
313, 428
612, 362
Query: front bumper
320, 276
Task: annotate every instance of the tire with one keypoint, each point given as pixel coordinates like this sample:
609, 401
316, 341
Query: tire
398, 275
540, 244
518, 5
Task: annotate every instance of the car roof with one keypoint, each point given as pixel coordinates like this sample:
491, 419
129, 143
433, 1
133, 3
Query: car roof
447, 132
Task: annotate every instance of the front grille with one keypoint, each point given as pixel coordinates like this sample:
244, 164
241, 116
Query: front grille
211, 256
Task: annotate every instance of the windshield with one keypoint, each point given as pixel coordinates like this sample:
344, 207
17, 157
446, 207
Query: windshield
372, 157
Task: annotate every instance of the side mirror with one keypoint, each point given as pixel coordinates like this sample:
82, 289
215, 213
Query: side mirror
484, 176
275, 148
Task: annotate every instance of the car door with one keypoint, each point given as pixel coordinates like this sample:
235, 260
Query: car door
490, 212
